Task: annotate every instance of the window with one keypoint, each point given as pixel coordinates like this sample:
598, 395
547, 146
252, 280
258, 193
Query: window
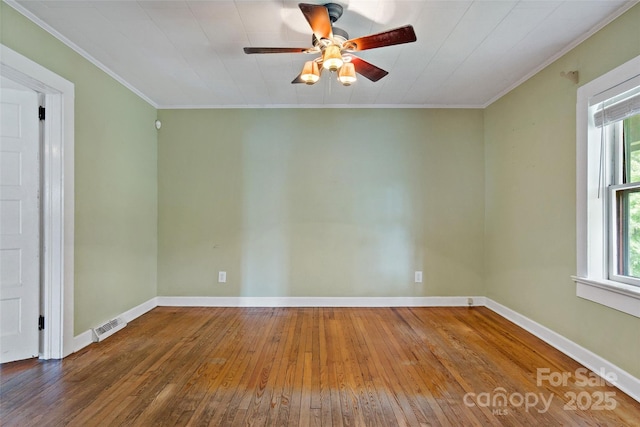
624, 202
608, 189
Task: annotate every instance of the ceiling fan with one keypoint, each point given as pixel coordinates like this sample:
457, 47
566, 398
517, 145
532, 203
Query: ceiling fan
336, 48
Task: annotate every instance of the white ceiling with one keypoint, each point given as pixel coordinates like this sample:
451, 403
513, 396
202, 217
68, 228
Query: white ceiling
179, 54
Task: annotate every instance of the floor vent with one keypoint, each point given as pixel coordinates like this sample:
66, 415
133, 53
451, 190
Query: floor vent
109, 328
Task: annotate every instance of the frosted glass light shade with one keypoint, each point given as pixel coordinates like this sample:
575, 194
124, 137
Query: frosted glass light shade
347, 74
332, 60
310, 73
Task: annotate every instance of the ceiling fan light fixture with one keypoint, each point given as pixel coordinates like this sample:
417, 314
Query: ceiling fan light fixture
347, 74
310, 73
330, 42
332, 59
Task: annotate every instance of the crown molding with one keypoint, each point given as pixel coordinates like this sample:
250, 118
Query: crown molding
564, 50
55, 33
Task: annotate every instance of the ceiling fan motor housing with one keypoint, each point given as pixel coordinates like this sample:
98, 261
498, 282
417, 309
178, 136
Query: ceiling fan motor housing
339, 32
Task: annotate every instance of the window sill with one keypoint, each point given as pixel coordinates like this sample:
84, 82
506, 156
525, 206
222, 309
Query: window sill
619, 296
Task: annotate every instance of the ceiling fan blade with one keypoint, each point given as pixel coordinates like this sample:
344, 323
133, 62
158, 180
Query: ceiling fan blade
387, 38
250, 50
367, 69
318, 18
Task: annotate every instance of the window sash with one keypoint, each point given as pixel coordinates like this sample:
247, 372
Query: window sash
618, 237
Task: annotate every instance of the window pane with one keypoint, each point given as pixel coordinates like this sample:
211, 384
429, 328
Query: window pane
631, 140
628, 202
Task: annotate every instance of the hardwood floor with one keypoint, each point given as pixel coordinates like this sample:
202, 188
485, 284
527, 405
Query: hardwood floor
312, 366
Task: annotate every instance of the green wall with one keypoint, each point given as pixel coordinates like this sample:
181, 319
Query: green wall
530, 149
115, 178
323, 202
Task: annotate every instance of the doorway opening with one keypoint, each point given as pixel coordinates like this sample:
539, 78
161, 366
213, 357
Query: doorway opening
56, 199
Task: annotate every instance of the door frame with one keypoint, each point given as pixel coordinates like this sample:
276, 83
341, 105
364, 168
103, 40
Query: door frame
57, 198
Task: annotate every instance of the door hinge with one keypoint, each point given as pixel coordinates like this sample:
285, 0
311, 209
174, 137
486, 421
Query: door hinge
41, 113
41, 323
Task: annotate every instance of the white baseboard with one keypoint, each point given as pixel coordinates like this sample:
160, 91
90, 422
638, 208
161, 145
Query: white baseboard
139, 310
82, 340
318, 301
86, 337
626, 382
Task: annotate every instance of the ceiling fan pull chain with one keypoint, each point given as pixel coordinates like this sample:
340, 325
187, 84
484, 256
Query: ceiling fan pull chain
331, 85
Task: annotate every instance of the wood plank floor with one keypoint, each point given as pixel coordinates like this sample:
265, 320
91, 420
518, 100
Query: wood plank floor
312, 366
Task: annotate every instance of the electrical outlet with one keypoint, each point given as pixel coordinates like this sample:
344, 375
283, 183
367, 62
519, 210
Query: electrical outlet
418, 277
222, 277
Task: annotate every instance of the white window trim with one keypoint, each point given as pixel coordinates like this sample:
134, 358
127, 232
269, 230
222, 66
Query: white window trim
591, 278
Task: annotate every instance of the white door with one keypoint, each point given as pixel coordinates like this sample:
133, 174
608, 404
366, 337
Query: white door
19, 225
